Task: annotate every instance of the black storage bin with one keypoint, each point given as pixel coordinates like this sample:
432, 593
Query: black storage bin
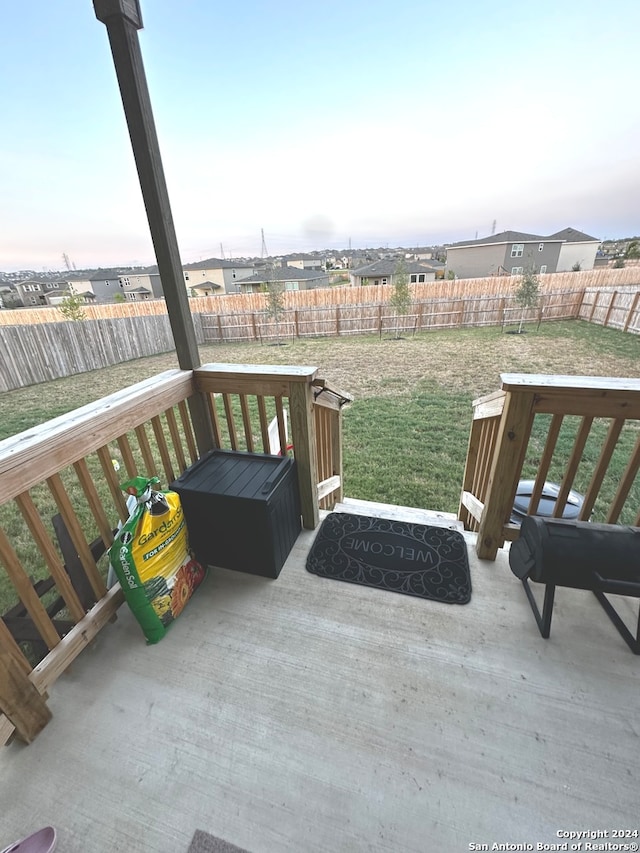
242, 510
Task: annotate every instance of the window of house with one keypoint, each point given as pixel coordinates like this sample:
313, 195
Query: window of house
421, 278
385, 281
376, 281
186, 276
516, 270
540, 247
543, 269
33, 300
414, 278
517, 250
291, 285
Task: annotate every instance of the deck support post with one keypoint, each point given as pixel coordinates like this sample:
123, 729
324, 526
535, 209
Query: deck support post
123, 19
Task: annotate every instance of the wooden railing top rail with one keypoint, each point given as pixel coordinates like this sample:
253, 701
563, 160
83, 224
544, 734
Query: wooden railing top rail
261, 379
30, 457
542, 383
589, 396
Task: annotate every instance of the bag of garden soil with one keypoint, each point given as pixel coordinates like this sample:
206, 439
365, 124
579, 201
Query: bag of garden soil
150, 557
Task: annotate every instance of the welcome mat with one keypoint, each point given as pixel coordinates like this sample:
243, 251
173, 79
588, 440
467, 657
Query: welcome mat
202, 842
416, 559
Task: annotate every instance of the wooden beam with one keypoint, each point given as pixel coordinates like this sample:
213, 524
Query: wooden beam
122, 20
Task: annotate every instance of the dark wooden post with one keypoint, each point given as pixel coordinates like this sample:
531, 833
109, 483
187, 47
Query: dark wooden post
123, 19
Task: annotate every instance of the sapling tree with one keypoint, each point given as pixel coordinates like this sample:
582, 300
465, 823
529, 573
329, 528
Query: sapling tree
400, 299
72, 307
527, 293
275, 306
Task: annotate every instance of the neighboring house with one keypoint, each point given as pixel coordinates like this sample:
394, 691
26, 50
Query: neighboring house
419, 254
382, 272
205, 288
578, 248
141, 285
35, 292
291, 279
304, 262
511, 252
105, 284
215, 271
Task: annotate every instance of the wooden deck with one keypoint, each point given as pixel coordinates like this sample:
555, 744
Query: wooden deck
304, 714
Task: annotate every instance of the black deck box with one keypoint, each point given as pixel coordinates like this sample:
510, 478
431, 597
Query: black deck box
242, 510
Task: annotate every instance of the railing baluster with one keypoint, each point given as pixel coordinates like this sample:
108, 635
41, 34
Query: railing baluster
93, 500
77, 536
147, 455
613, 434
127, 456
545, 462
264, 424
48, 551
624, 487
246, 422
104, 456
175, 439
572, 466
188, 431
231, 423
282, 432
161, 443
27, 593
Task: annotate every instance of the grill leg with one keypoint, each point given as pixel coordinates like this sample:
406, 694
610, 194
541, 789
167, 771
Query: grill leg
544, 620
625, 633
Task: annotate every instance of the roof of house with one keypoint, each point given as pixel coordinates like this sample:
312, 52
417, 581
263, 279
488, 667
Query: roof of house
206, 285
217, 264
390, 266
502, 237
282, 274
569, 235
573, 236
106, 275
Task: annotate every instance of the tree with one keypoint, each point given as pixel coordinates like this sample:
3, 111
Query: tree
119, 298
527, 293
400, 299
72, 307
275, 307
576, 267
633, 249
618, 264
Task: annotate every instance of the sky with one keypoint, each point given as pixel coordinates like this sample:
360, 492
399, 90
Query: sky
325, 125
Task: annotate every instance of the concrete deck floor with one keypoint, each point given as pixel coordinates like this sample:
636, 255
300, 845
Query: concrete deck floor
306, 714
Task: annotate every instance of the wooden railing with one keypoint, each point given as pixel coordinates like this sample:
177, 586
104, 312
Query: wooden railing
580, 430
67, 469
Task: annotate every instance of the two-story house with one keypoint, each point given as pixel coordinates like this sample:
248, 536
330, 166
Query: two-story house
216, 276
513, 252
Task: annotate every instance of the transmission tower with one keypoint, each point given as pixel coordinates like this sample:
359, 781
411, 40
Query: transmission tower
493, 227
263, 251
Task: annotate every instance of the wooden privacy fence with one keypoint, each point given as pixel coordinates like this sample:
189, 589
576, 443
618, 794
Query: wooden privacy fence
65, 468
377, 318
618, 308
582, 430
327, 297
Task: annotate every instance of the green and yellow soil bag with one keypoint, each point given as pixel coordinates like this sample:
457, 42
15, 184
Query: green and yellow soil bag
151, 559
